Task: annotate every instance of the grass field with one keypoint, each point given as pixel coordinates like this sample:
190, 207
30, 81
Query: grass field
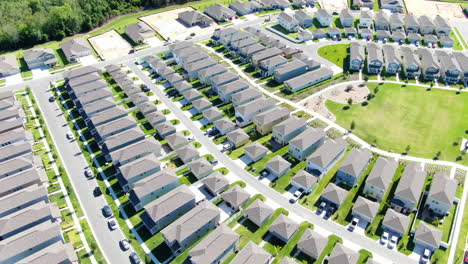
335, 53
427, 121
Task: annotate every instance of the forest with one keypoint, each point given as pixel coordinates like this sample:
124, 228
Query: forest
24, 23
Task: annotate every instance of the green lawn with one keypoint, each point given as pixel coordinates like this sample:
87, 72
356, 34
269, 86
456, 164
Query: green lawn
335, 53
428, 121
457, 45
462, 238
281, 29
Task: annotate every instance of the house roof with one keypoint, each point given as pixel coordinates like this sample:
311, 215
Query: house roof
312, 243
324, 13
287, 260
224, 124
428, 59
83, 78
234, 86
237, 136
236, 196
214, 245
138, 30
212, 70
374, 52
194, 16
258, 211
411, 20
301, 14
8, 65
256, 105
356, 161
180, 45
251, 254
381, 17
272, 115
307, 138
149, 145
187, 152
273, 61
462, 60
255, 150
411, 182
196, 66
366, 207
216, 182
396, 18
212, 112
334, 194
428, 234
278, 164
155, 117
366, 14
201, 103
115, 125
122, 139
342, 255
284, 226
441, 22
266, 54
396, 221
443, 188
75, 47
391, 54
139, 166
219, 10
153, 182
357, 51
33, 54
382, 172
164, 128
290, 66
290, 125
200, 166
327, 152
147, 108
305, 179
192, 94
246, 94
346, 14
182, 86
176, 139
286, 17
57, 252
305, 78
169, 202
20, 197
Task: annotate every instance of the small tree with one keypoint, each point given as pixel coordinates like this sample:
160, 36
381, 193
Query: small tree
350, 101
366, 78
407, 149
376, 90
353, 125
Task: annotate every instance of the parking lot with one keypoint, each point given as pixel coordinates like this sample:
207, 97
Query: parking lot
110, 45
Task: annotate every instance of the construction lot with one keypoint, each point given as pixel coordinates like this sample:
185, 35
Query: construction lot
110, 45
169, 27
433, 8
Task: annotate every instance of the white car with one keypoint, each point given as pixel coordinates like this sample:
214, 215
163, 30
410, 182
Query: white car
384, 238
353, 224
426, 256
393, 242
124, 244
112, 224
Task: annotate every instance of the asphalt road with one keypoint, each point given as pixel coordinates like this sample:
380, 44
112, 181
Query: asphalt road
362, 241
75, 164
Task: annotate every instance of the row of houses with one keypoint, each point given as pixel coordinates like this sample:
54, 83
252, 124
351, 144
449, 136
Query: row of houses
30, 229
449, 67
395, 6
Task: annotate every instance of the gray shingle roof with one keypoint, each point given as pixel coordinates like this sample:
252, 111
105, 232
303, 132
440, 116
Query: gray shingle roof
244, 95
272, 115
305, 78
382, 172
255, 149
139, 166
123, 138
327, 152
201, 103
212, 246
258, 211
8, 65
200, 166
443, 188
312, 243
176, 139
192, 94
154, 182
366, 207
411, 182
187, 152
213, 70
357, 51
165, 127
237, 136
251, 254
334, 194
57, 252
169, 202
284, 226
233, 86
224, 123
216, 182
396, 221
391, 54
148, 145
289, 125
428, 234
278, 164
236, 196
343, 255
356, 161
307, 138
305, 179
212, 112
119, 124
254, 106
75, 47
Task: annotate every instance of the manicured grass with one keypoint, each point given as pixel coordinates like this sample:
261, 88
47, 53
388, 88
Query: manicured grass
428, 121
335, 53
332, 240
282, 184
238, 152
281, 29
74, 237
288, 248
462, 238
462, 39
67, 219
92, 242
259, 166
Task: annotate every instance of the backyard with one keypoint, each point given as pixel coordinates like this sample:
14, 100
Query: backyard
428, 123
335, 53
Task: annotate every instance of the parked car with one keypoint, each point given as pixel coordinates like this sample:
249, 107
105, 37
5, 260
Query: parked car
69, 136
426, 256
112, 224
353, 224
97, 191
134, 259
106, 211
88, 173
384, 238
214, 161
124, 244
192, 34
393, 242
466, 257
321, 208
51, 99
264, 173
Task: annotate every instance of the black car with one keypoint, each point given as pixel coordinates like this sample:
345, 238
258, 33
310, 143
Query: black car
106, 211
134, 258
51, 99
97, 191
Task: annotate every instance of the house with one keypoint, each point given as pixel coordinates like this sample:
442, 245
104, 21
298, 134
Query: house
30, 177
289, 70
263, 55
360, 4
446, 41
411, 64
73, 74
147, 108
343, 255
152, 187
334, 195
93, 96
395, 6
380, 178
8, 65
187, 229
14, 136
40, 58
206, 74
409, 190
382, 35
187, 153
353, 166
449, 69
395, 223
193, 68
215, 183
23, 198
258, 212
139, 32
236, 197
9, 125
430, 40
221, 34
135, 151
397, 22
11, 113
85, 88
427, 237
200, 168
283, 228
180, 45
122, 139
192, 95
194, 18
312, 244
105, 117
236, 45
366, 19
215, 247
305, 35
411, 24
75, 49
238, 138
392, 59
212, 114
201, 105
334, 33
364, 209
165, 129
246, 96
107, 130
426, 26
357, 56
176, 140
442, 194
224, 125
375, 61
15, 150
252, 251
288, 22
185, 60
166, 209
58, 251
245, 8
246, 112
255, 151
226, 91
324, 17
268, 66
442, 27
366, 33
325, 156
381, 21
277, 166
304, 19
155, 118
220, 13
301, 146
308, 79
429, 65
238, 36
304, 180
265, 121
246, 53
222, 79
350, 32
17, 165
346, 18
137, 170
462, 61
318, 34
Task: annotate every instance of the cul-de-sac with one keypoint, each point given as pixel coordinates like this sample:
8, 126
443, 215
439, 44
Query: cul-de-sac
234, 132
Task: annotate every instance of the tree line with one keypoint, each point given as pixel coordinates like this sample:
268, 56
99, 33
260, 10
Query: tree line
25, 23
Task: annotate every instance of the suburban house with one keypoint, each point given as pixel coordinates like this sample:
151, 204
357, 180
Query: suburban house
358, 4
289, 70
215, 183
409, 188
308, 79
137, 170
194, 18
353, 166
236, 197
346, 18
304, 180
187, 153
246, 112
152, 187
288, 129
222, 79
176, 140
220, 13
301, 146
312, 244
166, 209
192, 95
165, 129
258, 212
288, 22
411, 64
191, 58
193, 68
201, 105
221, 34
375, 60
380, 178
252, 251
334, 33
395, 6
277, 166
135, 151
283, 228
392, 58
245, 8
414, 38
186, 230
226, 91
200, 168
39, 58
265, 121
430, 40
449, 69
366, 19
265, 54
255, 151
216, 247
342, 254
23, 198
334, 195
212, 114
383, 35
155, 118
411, 23
325, 156
442, 27
268, 66
224, 125
442, 194
75, 49
318, 34
206, 74
107, 130
381, 21
305, 20
446, 41
65, 252
357, 56
245, 96
246, 53
426, 26
122, 139
396, 223
8, 65
180, 45
427, 237
236, 45
364, 209
237, 138
430, 66
139, 32
462, 61
305, 35
350, 32
324, 17
397, 22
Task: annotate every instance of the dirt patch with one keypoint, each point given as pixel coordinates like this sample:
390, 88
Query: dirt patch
317, 104
334, 5
110, 45
434, 8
